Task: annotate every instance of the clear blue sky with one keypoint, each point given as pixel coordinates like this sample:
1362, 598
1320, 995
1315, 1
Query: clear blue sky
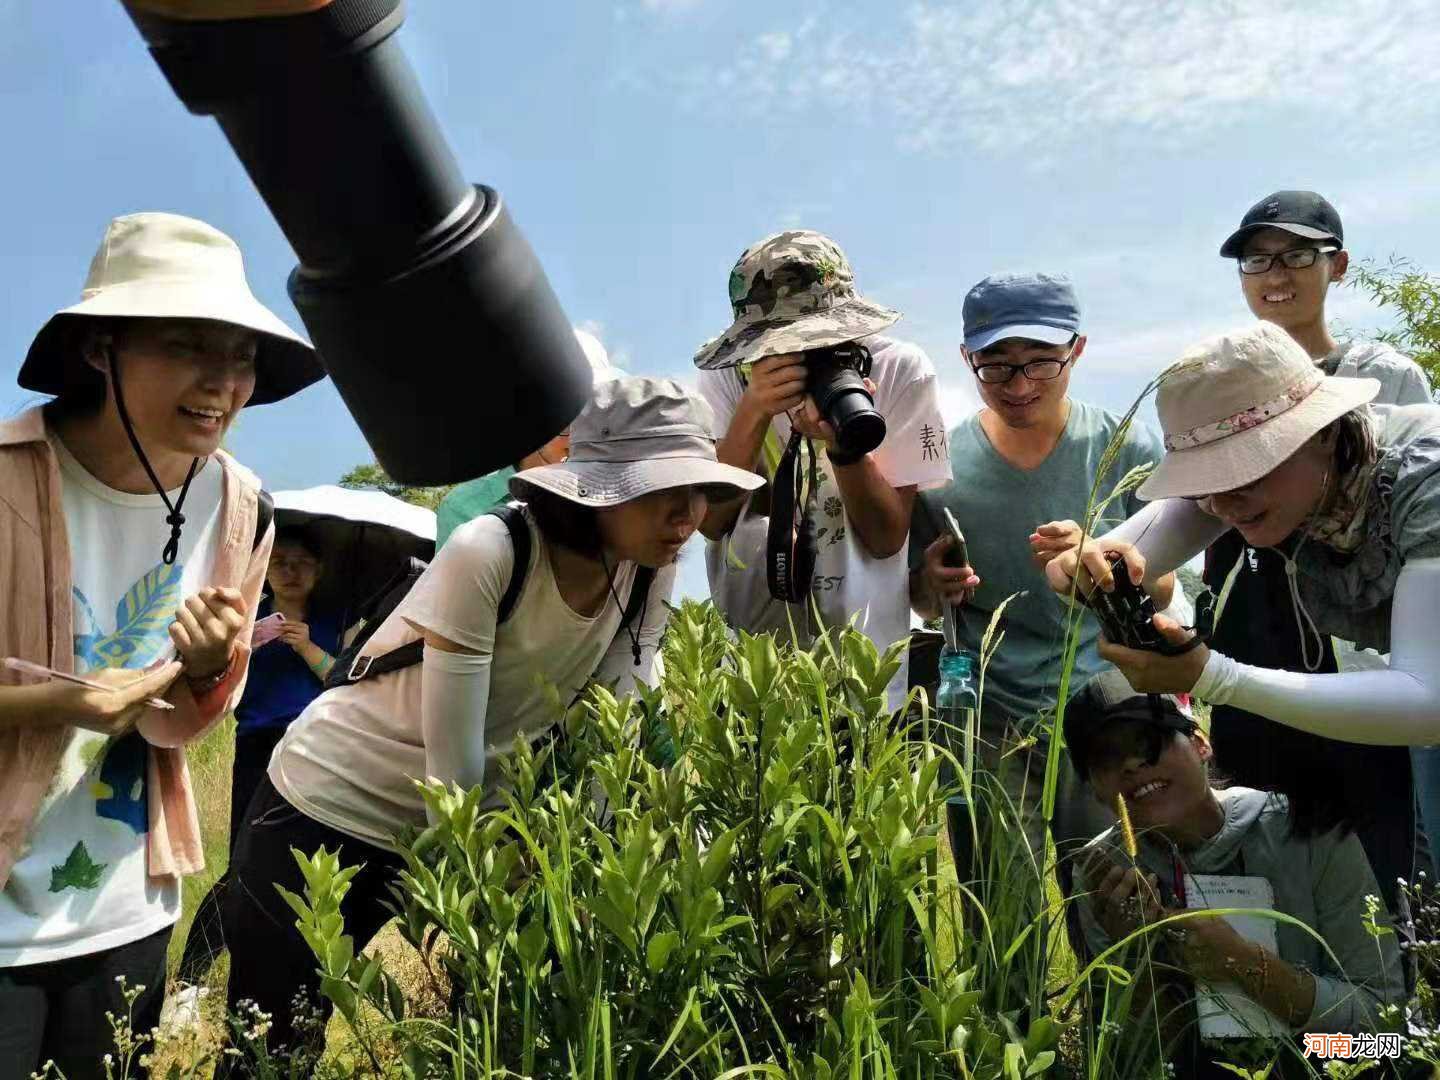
643, 143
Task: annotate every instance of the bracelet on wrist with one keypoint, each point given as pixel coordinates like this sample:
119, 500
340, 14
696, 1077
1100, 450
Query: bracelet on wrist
200, 686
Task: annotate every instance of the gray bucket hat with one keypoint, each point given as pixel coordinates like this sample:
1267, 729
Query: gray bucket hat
636, 436
791, 292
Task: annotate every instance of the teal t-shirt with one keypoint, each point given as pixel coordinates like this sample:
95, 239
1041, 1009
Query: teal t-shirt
998, 506
470, 500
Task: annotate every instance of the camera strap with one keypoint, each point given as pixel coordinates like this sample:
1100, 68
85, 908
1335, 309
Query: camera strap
790, 544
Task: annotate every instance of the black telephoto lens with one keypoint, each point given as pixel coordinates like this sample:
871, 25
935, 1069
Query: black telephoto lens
840, 395
429, 308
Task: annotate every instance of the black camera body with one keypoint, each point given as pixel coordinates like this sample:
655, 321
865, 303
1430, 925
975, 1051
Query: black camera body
835, 378
1127, 614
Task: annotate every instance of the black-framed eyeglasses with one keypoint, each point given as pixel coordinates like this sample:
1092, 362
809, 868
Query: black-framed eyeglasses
1035, 370
1292, 259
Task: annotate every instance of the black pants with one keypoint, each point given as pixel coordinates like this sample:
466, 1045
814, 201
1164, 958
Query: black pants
206, 939
269, 961
56, 1011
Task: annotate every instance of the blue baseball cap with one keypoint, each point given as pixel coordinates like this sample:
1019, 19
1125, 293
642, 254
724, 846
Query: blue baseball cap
1040, 307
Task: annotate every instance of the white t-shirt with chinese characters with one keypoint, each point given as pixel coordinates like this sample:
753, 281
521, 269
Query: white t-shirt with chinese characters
81, 884
849, 582
350, 760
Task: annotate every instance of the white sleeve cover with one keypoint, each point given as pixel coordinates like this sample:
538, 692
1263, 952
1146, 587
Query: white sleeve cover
1168, 533
454, 694
1395, 707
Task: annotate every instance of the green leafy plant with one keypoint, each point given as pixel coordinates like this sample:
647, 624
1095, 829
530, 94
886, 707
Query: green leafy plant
1414, 297
772, 902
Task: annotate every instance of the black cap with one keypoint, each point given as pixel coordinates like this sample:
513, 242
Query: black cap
1303, 213
1109, 698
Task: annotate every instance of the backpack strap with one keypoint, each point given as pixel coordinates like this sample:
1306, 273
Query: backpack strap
519, 530
367, 667
411, 653
264, 515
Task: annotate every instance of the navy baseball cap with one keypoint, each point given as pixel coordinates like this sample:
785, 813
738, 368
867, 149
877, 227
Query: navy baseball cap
1303, 213
1039, 307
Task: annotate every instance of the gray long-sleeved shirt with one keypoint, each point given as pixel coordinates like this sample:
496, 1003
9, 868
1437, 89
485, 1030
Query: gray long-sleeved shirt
1322, 881
1401, 380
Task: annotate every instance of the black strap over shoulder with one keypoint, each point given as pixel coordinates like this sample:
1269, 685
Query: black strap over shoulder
264, 515
790, 541
355, 666
519, 530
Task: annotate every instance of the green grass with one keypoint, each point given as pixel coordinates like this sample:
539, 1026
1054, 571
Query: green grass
210, 763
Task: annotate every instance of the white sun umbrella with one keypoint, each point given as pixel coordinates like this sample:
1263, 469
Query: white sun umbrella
366, 537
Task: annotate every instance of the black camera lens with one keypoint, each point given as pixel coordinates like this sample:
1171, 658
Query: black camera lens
838, 388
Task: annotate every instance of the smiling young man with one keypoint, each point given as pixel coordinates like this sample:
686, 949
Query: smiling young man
1029, 456
1289, 250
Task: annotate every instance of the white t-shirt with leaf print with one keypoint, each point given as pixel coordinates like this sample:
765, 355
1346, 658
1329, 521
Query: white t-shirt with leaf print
848, 582
81, 884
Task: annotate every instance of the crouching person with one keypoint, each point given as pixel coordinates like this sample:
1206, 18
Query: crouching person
133, 550
1144, 750
602, 530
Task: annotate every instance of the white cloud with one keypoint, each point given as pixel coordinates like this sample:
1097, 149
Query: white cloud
958, 397
775, 46
1043, 74
617, 353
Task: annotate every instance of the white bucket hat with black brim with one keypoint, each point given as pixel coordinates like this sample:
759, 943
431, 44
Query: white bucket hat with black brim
636, 436
166, 266
1237, 406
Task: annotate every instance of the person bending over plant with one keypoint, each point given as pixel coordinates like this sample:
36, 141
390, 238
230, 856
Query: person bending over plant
499, 627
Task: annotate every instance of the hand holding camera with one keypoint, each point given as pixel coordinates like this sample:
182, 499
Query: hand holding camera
1091, 568
825, 392
775, 385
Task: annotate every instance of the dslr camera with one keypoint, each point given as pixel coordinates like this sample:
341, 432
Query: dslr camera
835, 378
1127, 614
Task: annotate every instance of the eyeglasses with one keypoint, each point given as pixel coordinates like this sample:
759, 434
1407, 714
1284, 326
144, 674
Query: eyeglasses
1035, 370
1291, 259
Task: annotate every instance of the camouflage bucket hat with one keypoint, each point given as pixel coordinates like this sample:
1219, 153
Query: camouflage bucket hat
791, 292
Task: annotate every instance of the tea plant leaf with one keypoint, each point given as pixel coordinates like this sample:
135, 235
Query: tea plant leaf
717, 859
614, 921
657, 952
